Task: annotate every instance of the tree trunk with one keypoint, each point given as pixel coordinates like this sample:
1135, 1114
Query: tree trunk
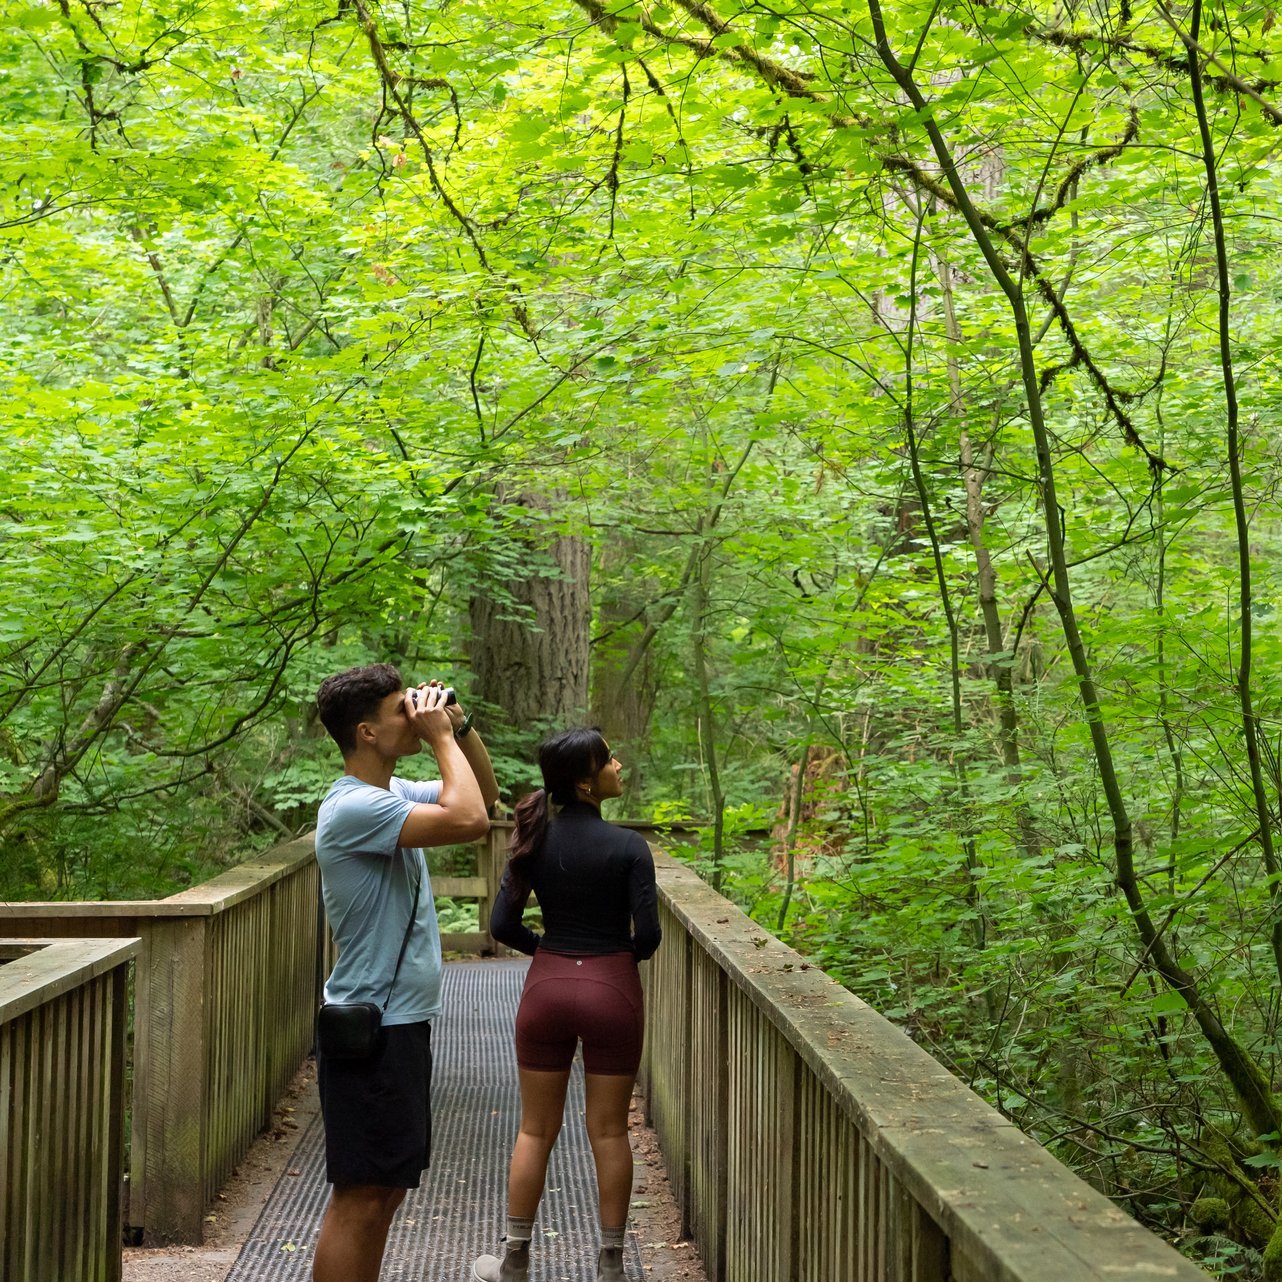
530, 636
624, 684
707, 721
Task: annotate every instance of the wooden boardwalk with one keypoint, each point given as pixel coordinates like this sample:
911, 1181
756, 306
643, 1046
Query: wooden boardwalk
458, 1211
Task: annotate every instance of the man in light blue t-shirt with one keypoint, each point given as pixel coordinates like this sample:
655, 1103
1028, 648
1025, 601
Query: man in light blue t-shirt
370, 835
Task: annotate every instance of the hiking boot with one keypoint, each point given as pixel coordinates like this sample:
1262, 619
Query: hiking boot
609, 1267
513, 1267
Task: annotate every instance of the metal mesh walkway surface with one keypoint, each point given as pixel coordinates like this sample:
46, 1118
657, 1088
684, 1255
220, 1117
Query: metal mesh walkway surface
459, 1210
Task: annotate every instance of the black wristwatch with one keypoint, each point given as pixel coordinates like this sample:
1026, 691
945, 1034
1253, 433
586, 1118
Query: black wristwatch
465, 729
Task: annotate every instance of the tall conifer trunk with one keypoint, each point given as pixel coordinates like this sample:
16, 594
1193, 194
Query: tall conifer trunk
624, 684
530, 636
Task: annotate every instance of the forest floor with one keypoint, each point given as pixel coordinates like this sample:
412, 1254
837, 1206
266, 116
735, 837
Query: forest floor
229, 1222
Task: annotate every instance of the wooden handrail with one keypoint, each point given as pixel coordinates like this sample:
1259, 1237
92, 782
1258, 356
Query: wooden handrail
809, 1139
206, 900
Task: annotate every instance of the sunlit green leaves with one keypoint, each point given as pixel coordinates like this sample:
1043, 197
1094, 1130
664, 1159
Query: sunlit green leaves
272, 352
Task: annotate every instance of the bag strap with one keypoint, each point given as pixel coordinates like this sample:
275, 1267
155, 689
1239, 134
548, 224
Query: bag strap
400, 957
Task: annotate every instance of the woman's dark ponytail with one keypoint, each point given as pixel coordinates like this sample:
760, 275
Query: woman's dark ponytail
530, 827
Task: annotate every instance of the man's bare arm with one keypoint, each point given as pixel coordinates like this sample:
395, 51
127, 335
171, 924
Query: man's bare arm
459, 812
478, 758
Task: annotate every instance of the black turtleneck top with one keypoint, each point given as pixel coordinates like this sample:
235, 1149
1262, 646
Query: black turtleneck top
595, 886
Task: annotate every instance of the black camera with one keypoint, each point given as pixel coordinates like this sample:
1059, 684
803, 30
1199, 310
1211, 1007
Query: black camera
450, 697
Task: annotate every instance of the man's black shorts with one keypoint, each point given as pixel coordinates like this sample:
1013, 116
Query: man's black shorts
378, 1112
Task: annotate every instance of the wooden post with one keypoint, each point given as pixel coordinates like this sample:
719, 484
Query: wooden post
171, 1082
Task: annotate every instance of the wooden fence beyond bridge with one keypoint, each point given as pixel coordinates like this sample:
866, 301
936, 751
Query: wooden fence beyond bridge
807, 1138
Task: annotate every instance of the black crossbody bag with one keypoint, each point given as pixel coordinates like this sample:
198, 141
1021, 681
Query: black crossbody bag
354, 1030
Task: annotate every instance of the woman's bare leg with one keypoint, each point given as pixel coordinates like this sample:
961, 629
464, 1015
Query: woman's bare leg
542, 1109
608, 1097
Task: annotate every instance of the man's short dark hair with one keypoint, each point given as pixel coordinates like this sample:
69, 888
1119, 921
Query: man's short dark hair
348, 698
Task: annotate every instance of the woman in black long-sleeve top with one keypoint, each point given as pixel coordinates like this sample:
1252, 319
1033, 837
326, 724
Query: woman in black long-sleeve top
595, 888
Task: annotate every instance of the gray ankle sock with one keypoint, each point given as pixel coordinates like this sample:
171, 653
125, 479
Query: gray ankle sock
612, 1239
519, 1230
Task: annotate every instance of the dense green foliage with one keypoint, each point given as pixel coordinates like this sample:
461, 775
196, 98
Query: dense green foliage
914, 385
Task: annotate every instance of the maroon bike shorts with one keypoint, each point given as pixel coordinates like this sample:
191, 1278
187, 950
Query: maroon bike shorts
593, 999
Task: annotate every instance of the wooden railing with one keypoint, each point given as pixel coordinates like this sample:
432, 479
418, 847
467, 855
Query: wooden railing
491, 854
228, 978
810, 1140
63, 1030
